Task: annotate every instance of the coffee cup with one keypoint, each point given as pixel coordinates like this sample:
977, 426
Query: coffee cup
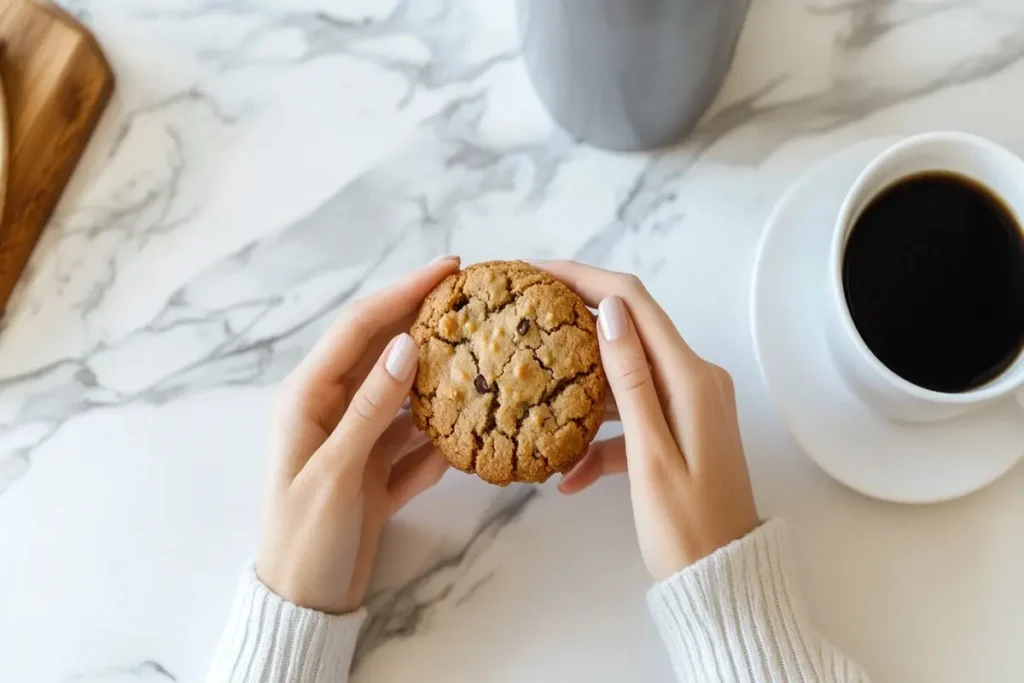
943, 246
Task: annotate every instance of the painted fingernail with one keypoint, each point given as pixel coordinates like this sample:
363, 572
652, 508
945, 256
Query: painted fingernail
443, 257
402, 357
611, 317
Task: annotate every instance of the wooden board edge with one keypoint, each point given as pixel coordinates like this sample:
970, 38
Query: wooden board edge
63, 16
6, 132
90, 123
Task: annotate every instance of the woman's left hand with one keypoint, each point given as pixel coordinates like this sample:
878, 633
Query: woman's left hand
342, 462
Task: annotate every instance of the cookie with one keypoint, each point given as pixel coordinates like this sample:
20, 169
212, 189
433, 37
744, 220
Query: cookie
510, 384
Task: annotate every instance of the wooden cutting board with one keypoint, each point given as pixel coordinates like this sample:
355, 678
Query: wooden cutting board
57, 83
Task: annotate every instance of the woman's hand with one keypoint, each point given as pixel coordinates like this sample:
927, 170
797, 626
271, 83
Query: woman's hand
681, 445
342, 461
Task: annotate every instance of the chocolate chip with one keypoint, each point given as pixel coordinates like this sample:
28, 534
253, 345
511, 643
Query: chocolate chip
524, 326
481, 384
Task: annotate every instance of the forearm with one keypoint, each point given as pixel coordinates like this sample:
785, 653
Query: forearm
270, 640
736, 616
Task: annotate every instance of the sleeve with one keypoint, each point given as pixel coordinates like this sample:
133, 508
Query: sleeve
736, 616
270, 640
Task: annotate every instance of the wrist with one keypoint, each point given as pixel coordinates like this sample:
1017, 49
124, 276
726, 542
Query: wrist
267, 633
740, 598
677, 549
308, 585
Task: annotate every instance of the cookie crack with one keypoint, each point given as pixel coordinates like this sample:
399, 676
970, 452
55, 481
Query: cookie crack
547, 399
584, 431
536, 357
514, 465
431, 395
515, 453
498, 400
559, 326
518, 410
562, 385
478, 437
512, 301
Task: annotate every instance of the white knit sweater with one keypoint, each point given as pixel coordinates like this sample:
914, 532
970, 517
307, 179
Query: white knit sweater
734, 617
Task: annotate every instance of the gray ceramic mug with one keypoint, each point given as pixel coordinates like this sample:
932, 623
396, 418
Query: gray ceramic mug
628, 74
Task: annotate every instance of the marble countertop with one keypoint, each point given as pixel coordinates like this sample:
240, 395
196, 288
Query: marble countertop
265, 162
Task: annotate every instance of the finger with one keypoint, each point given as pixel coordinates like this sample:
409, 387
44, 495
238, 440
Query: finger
711, 422
629, 375
347, 339
400, 438
656, 329
611, 411
604, 458
373, 407
414, 474
675, 366
302, 425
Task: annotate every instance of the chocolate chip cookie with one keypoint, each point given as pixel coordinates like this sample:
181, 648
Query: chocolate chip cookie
510, 384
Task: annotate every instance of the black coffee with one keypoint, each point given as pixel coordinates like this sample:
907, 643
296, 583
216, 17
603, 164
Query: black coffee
934, 280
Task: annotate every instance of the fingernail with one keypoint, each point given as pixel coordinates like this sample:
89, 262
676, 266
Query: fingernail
402, 358
611, 317
444, 257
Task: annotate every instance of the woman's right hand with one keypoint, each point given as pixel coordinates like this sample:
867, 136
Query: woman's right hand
681, 444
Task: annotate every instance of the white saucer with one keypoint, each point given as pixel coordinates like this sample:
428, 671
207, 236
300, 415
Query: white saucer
898, 462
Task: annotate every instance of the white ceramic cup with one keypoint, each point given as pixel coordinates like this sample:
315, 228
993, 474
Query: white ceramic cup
888, 394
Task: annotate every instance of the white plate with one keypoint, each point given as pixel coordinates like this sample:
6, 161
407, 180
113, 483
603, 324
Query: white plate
906, 463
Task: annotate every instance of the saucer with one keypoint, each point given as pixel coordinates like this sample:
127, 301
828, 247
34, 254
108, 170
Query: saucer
893, 461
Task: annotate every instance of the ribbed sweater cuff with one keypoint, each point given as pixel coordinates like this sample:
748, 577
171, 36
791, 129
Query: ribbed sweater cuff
268, 638
736, 616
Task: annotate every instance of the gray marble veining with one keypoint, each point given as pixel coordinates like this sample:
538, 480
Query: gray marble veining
264, 163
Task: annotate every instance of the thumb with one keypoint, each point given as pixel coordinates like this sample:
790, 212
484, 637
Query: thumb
629, 375
373, 407
414, 474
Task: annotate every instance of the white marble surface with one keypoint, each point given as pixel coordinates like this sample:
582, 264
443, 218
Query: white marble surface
264, 162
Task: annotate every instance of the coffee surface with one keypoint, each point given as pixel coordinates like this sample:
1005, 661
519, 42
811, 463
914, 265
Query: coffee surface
933, 275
